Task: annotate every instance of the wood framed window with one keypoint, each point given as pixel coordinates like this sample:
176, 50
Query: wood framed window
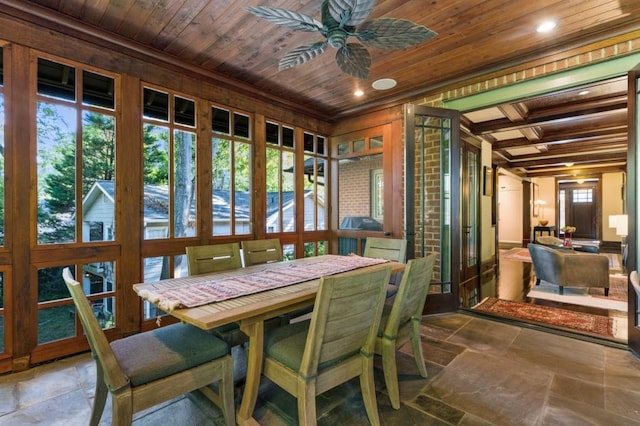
280, 183
169, 140
75, 122
231, 153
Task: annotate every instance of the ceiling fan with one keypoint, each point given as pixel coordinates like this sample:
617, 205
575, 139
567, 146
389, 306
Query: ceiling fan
338, 23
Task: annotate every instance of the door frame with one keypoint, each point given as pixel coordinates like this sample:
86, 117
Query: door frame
436, 302
633, 107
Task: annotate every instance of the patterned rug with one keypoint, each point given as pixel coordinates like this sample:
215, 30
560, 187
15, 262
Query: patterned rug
592, 296
517, 253
559, 318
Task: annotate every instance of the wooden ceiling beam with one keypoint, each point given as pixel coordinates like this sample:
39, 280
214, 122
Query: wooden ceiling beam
505, 124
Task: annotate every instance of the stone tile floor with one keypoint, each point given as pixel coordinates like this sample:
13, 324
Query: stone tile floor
481, 372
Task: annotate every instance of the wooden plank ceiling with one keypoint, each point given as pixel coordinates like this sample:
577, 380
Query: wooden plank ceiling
474, 37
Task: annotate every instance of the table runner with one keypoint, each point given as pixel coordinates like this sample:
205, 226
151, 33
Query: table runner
201, 290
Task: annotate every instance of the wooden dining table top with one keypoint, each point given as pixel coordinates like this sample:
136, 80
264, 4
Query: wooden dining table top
259, 305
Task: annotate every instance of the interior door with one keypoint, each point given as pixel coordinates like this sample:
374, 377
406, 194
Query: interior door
632, 204
579, 207
432, 204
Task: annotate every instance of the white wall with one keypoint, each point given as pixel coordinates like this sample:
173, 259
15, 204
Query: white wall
488, 239
547, 193
611, 203
510, 215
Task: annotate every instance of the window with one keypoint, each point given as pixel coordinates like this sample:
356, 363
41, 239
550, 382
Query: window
2, 313
96, 231
76, 152
57, 317
169, 141
280, 185
231, 172
582, 195
157, 268
315, 190
361, 183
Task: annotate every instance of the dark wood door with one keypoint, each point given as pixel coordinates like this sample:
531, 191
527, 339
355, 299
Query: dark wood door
580, 205
469, 224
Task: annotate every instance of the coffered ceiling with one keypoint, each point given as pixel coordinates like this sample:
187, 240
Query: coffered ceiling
570, 134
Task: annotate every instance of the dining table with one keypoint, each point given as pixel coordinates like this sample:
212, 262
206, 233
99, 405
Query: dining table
249, 296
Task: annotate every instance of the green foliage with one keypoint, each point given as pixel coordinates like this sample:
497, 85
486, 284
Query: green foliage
50, 284
98, 149
156, 154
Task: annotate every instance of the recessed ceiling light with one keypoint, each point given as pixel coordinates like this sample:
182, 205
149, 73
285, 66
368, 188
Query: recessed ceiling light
584, 92
384, 84
546, 26
358, 93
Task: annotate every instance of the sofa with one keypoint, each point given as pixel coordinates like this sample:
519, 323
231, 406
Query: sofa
567, 268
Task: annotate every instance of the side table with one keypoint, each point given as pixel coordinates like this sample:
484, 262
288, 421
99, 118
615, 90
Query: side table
539, 231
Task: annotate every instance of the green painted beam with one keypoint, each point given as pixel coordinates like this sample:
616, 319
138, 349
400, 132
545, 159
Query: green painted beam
562, 80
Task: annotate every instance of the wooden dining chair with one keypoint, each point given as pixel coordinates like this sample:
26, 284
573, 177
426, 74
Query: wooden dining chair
401, 322
390, 249
218, 258
310, 357
213, 258
146, 369
257, 252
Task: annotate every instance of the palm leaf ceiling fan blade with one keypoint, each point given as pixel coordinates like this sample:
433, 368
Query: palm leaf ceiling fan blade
339, 20
350, 12
302, 54
285, 17
389, 33
354, 59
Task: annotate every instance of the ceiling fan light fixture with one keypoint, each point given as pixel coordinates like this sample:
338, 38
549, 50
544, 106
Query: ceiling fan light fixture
384, 84
341, 20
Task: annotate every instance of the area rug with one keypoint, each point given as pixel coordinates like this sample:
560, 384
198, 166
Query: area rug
593, 297
517, 253
560, 318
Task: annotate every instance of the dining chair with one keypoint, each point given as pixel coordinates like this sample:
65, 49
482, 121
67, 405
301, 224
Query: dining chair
310, 357
218, 258
390, 249
401, 322
146, 369
213, 258
257, 252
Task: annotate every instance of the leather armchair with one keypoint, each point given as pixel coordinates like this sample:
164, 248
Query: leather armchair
567, 268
